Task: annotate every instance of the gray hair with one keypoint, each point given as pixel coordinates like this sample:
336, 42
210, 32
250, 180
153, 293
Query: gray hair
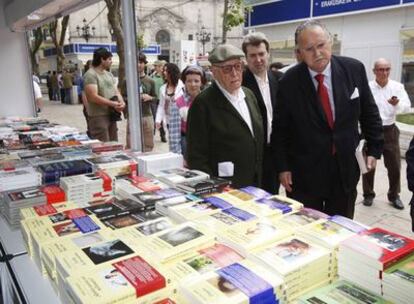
254, 39
310, 23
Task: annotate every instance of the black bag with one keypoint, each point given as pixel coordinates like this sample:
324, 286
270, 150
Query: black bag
114, 115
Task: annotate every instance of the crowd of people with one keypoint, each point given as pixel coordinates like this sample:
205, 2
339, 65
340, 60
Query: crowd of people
258, 126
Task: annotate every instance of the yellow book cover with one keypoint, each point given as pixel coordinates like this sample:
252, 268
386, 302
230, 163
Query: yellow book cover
290, 254
177, 241
129, 279
250, 235
304, 217
146, 229
202, 261
192, 210
50, 250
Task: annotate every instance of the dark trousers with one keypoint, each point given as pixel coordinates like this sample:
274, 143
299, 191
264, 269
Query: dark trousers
392, 161
336, 201
50, 92
270, 178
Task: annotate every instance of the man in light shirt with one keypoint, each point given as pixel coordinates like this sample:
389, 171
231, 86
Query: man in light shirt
224, 126
258, 78
391, 99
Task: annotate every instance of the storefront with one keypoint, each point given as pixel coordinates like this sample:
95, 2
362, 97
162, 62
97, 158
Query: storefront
363, 29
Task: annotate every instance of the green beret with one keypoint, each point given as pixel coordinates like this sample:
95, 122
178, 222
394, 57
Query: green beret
224, 52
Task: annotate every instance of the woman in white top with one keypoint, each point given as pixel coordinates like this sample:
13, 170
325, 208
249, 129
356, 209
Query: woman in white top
167, 109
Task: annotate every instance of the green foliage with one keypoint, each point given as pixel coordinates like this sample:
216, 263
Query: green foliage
140, 42
406, 118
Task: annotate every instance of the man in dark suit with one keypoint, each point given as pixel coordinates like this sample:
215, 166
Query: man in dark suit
225, 133
315, 131
263, 83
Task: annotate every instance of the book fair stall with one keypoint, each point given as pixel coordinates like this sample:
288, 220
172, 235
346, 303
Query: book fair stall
84, 221
89, 222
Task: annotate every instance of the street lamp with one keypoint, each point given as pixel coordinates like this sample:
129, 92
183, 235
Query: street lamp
86, 30
203, 36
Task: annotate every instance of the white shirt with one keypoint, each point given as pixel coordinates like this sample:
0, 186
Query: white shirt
265, 91
37, 91
327, 82
381, 96
239, 103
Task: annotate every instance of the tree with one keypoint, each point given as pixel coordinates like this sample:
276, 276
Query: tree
233, 15
59, 40
34, 48
114, 19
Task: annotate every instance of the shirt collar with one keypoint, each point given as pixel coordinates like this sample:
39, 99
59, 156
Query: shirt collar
232, 98
260, 80
327, 72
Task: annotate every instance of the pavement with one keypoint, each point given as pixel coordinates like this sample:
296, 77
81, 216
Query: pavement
380, 214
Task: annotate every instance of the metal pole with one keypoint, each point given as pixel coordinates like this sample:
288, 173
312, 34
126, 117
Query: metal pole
131, 76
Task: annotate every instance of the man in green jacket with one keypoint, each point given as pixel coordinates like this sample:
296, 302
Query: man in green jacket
225, 131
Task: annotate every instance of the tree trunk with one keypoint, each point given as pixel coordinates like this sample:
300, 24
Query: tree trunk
35, 45
225, 28
59, 42
114, 19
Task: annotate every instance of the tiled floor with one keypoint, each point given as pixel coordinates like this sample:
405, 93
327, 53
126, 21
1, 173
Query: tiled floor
381, 214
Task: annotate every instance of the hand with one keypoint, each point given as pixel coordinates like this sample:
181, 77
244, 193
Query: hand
119, 106
371, 163
145, 97
285, 179
393, 100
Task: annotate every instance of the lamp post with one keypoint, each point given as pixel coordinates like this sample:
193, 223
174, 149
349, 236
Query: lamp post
203, 36
86, 31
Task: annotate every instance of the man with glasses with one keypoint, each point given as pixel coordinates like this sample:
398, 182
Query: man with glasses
225, 132
320, 104
391, 98
258, 78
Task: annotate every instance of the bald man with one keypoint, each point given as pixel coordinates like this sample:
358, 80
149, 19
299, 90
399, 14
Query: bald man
391, 99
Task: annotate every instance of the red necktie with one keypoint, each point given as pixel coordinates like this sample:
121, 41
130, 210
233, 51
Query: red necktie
324, 97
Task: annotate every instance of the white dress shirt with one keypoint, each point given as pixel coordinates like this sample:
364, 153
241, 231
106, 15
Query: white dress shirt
239, 103
381, 96
265, 91
327, 82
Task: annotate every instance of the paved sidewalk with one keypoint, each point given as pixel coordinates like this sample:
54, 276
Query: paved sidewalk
381, 214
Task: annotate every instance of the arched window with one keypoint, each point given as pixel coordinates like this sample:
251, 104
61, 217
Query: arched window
163, 38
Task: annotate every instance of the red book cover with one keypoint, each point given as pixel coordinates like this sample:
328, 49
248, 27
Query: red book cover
54, 194
381, 245
106, 180
165, 301
45, 210
148, 186
141, 275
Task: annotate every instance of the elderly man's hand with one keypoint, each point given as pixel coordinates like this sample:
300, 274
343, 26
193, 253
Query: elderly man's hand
285, 179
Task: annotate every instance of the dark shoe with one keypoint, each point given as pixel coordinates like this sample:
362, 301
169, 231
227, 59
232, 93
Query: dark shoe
397, 204
368, 201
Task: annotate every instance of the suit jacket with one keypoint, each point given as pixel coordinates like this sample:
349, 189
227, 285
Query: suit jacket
302, 139
409, 157
217, 133
249, 81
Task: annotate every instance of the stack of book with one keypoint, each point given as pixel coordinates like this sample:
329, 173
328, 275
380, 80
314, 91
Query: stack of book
177, 241
330, 234
164, 206
241, 282
341, 292
54, 194
254, 234
304, 217
201, 261
301, 264
151, 198
363, 257
129, 280
87, 187
110, 146
398, 281
151, 163
19, 178
115, 164
206, 186
180, 175
13, 201
51, 173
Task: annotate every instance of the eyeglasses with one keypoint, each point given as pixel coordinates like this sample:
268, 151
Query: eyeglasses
227, 69
383, 69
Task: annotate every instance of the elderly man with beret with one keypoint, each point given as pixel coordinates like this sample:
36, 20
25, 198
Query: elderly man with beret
225, 131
